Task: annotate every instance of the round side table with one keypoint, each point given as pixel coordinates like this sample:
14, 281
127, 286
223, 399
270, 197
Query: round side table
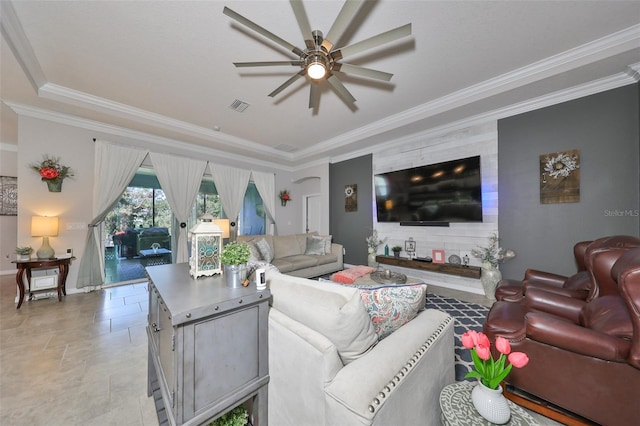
458, 410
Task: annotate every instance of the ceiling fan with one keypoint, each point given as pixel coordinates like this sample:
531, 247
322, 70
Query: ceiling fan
318, 60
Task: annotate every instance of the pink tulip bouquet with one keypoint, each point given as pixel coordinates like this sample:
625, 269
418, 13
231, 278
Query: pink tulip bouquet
489, 371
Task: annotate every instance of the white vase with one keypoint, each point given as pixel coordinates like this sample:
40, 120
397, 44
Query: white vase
371, 260
491, 404
490, 276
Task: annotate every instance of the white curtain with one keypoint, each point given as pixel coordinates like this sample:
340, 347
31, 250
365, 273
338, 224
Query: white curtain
231, 184
180, 179
114, 167
266, 185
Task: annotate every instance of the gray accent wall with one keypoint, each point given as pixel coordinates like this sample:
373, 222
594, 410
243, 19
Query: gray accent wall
605, 128
351, 228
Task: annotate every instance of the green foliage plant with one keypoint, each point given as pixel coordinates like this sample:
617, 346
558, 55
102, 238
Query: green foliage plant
24, 250
396, 249
236, 417
235, 254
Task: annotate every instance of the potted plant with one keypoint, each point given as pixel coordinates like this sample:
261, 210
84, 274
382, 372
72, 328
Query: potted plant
52, 172
234, 256
487, 394
24, 253
236, 417
396, 251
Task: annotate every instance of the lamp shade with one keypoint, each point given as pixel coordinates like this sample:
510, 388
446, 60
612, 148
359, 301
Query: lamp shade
43, 226
224, 225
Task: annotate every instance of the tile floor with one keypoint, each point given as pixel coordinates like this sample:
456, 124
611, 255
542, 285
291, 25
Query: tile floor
83, 361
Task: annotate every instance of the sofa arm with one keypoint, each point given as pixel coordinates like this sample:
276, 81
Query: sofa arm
548, 278
387, 385
301, 362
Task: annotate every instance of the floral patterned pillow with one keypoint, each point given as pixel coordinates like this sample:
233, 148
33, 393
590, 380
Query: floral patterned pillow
392, 307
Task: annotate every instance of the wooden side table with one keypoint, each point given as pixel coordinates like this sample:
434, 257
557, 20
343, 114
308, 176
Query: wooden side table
62, 263
458, 410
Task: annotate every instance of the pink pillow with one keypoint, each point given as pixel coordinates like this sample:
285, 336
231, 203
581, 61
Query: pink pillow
348, 276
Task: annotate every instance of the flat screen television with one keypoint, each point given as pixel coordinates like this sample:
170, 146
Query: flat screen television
435, 193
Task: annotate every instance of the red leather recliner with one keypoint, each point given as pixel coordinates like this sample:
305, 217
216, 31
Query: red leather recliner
584, 285
585, 361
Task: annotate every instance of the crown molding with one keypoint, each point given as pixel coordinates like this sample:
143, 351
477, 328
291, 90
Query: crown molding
110, 129
95, 103
8, 147
19, 44
576, 92
610, 45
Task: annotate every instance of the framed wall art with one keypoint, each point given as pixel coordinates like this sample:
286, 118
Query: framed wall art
560, 177
437, 256
8, 196
351, 198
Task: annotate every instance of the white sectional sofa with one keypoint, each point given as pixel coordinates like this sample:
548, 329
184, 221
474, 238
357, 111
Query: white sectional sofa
328, 368
289, 255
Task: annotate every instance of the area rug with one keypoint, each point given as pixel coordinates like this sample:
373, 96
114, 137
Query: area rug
468, 316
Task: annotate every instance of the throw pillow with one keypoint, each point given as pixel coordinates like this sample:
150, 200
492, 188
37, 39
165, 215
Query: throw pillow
327, 242
335, 311
314, 247
348, 276
254, 252
392, 307
265, 250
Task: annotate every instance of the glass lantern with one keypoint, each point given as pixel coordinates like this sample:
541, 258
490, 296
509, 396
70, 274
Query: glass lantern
206, 246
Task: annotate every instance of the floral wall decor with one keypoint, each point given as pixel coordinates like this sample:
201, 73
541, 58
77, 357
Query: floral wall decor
351, 198
560, 177
52, 172
284, 197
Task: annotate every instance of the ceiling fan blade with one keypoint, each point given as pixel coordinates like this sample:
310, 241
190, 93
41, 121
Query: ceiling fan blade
314, 94
344, 18
303, 22
266, 33
339, 87
362, 71
287, 83
372, 42
267, 63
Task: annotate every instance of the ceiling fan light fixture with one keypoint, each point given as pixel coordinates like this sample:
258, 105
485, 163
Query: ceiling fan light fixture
316, 70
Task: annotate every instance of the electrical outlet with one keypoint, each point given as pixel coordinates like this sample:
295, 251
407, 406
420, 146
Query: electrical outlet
70, 251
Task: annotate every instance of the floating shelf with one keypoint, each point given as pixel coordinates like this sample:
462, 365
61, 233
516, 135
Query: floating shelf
442, 268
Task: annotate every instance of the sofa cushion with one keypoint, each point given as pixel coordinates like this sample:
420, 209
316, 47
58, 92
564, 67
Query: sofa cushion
326, 239
254, 251
266, 252
609, 315
335, 311
301, 261
286, 245
392, 307
315, 247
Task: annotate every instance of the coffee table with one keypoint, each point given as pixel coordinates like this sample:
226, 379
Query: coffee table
458, 410
367, 282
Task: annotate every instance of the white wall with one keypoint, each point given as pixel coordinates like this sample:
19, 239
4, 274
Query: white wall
75, 147
458, 238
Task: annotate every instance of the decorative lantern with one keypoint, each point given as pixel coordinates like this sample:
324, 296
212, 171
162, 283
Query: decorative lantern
206, 245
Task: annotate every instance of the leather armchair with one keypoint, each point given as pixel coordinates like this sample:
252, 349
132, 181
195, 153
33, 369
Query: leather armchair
584, 356
588, 283
574, 286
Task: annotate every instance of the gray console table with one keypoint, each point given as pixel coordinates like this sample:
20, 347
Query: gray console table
208, 348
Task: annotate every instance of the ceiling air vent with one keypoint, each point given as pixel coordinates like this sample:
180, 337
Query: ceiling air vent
285, 148
239, 105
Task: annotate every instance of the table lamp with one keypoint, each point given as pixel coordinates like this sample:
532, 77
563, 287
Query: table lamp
45, 227
224, 225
